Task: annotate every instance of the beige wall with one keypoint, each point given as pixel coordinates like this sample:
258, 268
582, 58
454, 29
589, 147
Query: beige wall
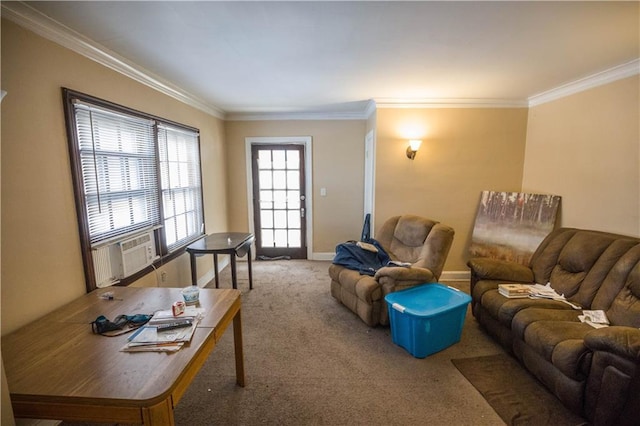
6, 411
338, 166
586, 148
464, 151
41, 260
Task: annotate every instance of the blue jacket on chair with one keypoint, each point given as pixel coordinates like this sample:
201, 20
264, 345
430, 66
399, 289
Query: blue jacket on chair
352, 256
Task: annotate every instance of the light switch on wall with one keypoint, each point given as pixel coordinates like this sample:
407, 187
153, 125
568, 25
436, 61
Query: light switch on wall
323, 192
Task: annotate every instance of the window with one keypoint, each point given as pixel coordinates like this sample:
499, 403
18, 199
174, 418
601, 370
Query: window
133, 174
181, 188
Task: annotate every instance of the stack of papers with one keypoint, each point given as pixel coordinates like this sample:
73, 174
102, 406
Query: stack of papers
596, 318
151, 337
545, 292
539, 291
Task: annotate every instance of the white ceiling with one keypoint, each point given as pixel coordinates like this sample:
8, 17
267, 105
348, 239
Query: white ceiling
261, 57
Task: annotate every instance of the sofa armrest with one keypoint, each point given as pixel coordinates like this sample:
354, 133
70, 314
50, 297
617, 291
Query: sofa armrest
394, 278
619, 340
612, 392
399, 273
495, 269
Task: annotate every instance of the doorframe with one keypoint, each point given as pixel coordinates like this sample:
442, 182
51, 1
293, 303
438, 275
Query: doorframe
284, 140
370, 178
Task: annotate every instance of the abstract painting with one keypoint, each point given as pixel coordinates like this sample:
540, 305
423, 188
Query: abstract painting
511, 225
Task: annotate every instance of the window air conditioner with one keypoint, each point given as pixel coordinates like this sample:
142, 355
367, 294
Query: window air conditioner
133, 254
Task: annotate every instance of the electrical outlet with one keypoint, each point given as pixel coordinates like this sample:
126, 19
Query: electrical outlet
163, 276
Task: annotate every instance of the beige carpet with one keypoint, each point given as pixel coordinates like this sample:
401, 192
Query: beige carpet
310, 361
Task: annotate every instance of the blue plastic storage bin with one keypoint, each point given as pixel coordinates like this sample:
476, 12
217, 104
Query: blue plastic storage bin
427, 318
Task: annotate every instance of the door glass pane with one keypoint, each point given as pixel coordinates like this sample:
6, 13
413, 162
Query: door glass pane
281, 238
293, 199
266, 218
267, 238
293, 160
280, 199
279, 161
294, 238
294, 219
266, 196
293, 179
265, 180
279, 179
264, 159
280, 219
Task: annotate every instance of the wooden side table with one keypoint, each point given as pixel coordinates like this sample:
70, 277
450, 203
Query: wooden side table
232, 243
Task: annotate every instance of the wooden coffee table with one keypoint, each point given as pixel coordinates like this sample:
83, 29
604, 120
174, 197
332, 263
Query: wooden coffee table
57, 368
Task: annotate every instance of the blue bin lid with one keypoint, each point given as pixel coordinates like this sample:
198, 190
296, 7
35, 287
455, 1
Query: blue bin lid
427, 299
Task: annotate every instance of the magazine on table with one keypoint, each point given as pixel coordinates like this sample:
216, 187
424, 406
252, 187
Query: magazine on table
165, 332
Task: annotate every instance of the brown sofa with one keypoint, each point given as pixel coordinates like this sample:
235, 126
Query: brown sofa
594, 372
424, 243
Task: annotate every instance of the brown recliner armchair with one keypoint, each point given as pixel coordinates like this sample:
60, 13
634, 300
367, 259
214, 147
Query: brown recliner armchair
424, 243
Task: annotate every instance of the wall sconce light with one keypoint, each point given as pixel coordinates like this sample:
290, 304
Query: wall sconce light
414, 146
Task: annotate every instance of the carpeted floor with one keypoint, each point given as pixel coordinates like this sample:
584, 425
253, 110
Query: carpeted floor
310, 361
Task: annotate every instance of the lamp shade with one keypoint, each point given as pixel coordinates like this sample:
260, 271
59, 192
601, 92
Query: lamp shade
415, 144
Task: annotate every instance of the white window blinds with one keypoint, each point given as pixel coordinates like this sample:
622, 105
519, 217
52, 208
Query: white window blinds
119, 171
179, 152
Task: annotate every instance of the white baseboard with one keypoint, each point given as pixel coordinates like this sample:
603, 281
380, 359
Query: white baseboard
322, 256
455, 276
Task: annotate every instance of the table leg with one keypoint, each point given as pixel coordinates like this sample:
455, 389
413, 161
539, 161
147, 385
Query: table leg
160, 414
237, 342
194, 274
215, 268
234, 281
249, 266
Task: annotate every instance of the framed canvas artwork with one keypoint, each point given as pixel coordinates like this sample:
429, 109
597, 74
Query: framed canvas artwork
511, 225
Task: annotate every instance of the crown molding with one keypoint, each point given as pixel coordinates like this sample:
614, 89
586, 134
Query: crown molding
608, 76
33, 20
370, 109
449, 103
285, 116
300, 115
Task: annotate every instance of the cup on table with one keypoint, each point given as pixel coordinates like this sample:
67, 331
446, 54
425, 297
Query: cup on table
191, 294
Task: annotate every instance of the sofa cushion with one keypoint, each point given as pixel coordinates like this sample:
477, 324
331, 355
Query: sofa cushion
562, 344
408, 237
625, 308
546, 255
504, 309
619, 293
526, 317
577, 260
608, 261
